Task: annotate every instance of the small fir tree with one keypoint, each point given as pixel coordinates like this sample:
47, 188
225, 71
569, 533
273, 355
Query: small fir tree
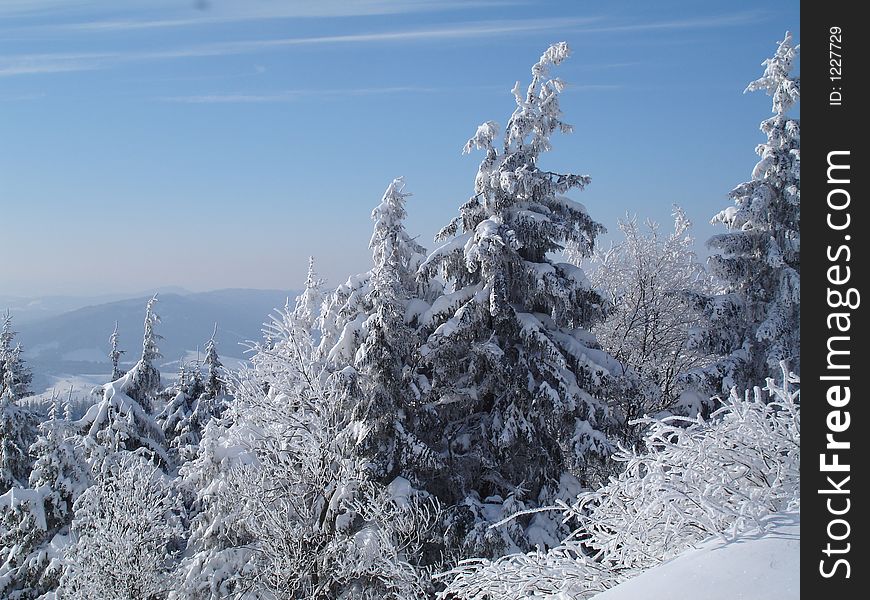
115, 355
755, 323
145, 381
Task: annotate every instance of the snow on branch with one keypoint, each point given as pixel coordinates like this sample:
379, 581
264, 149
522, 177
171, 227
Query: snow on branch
696, 478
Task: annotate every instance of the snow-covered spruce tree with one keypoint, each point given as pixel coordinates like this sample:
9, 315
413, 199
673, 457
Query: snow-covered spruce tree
193, 401
343, 311
34, 521
215, 379
145, 381
17, 433
220, 560
310, 300
17, 423
517, 387
755, 324
118, 422
644, 278
379, 342
695, 479
180, 430
115, 355
14, 374
351, 536
123, 419
125, 535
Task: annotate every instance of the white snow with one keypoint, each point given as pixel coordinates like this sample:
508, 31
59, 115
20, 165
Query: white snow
400, 491
33, 498
756, 566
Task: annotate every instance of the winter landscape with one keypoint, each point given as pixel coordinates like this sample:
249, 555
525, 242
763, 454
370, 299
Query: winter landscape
535, 404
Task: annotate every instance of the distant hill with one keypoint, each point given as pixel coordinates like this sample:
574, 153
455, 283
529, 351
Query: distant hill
77, 342
30, 309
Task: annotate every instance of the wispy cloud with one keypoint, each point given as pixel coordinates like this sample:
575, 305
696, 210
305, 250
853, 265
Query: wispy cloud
60, 63
30, 64
292, 95
203, 13
57, 63
458, 31
727, 20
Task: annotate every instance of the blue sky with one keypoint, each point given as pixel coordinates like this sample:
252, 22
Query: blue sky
218, 143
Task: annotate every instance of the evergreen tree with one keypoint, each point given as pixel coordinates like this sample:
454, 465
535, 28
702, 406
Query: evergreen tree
194, 401
518, 388
117, 423
340, 322
220, 560
309, 301
176, 418
123, 419
755, 324
145, 381
34, 524
14, 374
17, 433
115, 355
17, 423
215, 380
283, 506
386, 355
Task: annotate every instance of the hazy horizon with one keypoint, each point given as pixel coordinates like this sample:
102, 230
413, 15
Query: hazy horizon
137, 292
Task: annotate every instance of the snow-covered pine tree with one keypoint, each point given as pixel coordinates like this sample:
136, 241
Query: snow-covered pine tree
123, 419
117, 423
115, 355
519, 387
17, 423
215, 379
15, 376
220, 560
384, 358
308, 303
194, 401
344, 310
222, 554
175, 418
755, 324
145, 380
34, 521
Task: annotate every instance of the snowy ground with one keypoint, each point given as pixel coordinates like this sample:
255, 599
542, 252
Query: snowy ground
757, 566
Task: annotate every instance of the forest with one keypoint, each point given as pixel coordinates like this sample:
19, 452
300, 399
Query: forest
519, 412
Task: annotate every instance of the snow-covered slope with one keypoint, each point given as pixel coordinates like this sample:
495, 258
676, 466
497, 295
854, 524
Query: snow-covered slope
756, 566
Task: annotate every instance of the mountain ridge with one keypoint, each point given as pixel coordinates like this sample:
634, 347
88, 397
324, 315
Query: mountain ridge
77, 341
